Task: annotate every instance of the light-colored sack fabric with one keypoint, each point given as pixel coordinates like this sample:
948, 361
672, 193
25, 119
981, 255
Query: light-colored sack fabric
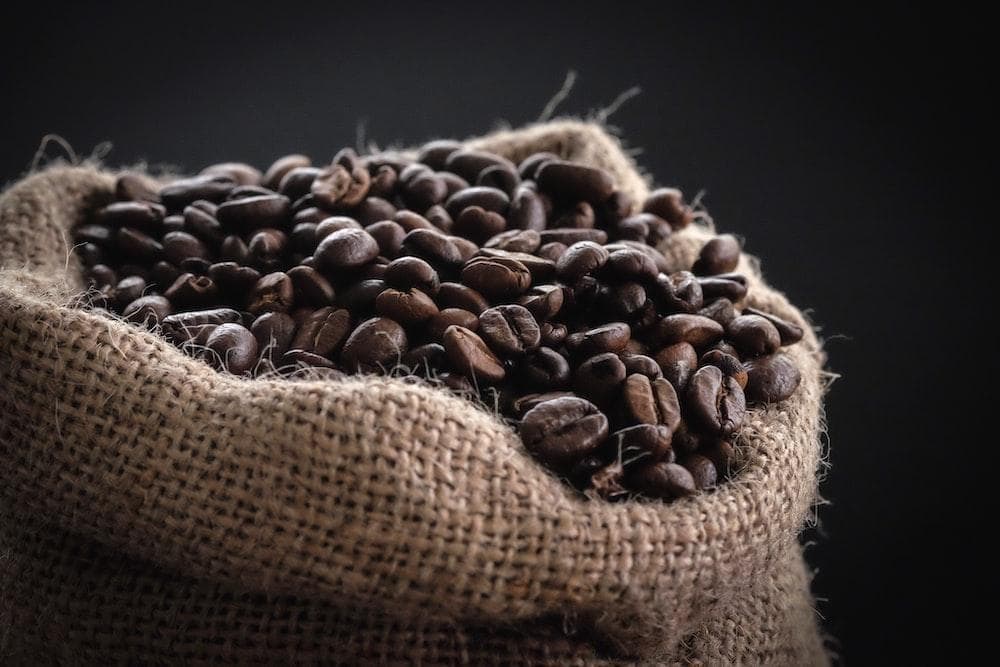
154, 510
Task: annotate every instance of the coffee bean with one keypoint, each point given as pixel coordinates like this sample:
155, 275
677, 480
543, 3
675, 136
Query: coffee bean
424, 191
510, 330
254, 212
668, 203
569, 236
515, 240
753, 335
581, 259
470, 355
717, 287
651, 402
435, 153
662, 480
541, 269
143, 216
678, 362
544, 369
456, 295
789, 332
478, 224
443, 319
722, 454
163, 275
529, 167
147, 310
496, 277
273, 292
702, 471
360, 297
137, 246
543, 301
677, 292
101, 235
408, 307
311, 288
720, 255
101, 276
323, 331
469, 163
489, 199
720, 310
135, 187
715, 402
526, 210
433, 247
643, 441
129, 289
89, 254
622, 300
274, 332
553, 334
617, 207
389, 236
580, 216
191, 291
772, 379
630, 264
562, 431
599, 377
233, 249
316, 365
572, 181
178, 246
180, 328
424, 358
337, 186
501, 177
642, 364
694, 329
611, 337
329, 225
281, 167
345, 250
232, 278
374, 344
234, 348
552, 250
728, 364
374, 209
239, 172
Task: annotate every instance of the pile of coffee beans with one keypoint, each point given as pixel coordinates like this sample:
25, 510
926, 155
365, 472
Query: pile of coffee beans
535, 287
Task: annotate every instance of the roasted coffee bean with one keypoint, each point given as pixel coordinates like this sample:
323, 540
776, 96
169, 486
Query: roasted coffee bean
529, 167
643, 228
409, 221
191, 291
720, 255
651, 402
478, 224
203, 225
457, 383
129, 289
233, 278
496, 277
753, 335
510, 330
722, 454
543, 301
233, 249
311, 288
515, 240
521, 404
526, 210
717, 287
101, 276
178, 246
281, 167
720, 310
678, 362
389, 236
443, 319
772, 379
360, 297
435, 153
338, 186
658, 258
250, 213
702, 471
186, 191
677, 292
101, 235
661, 480
408, 307
789, 332
642, 442
274, 333
90, 254
630, 264
374, 209
668, 203
267, 246
501, 177
469, 163
147, 310
240, 172
234, 348
715, 402
345, 250
163, 275
424, 358
562, 431
439, 218
611, 337
144, 216
323, 332
273, 292
581, 259
433, 247
728, 364
541, 269
378, 343
568, 180
640, 363
316, 365
694, 329
195, 326
456, 295
469, 355
454, 183
424, 191
553, 334
383, 182
569, 236
297, 182
580, 216
622, 300
600, 377
329, 225
489, 199
552, 251
138, 246
135, 187
617, 207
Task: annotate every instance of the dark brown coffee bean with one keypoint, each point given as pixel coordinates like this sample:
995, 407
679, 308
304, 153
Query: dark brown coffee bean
457, 383
630, 264
694, 329
562, 431
720, 310
677, 292
661, 480
702, 471
722, 454
378, 343
753, 335
715, 402
338, 186
469, 163
186, 191
360, 297
622, 300
552, 251
443, 319
163, 275
543, 301
203, 225
789, 332
89, 254
717, 287
101, 276
687, 439
233, 249
581, 259
510, 330
144, 216
374, 209
454, 183
658, 258
600, 377
329, 225
640, 363
529, 167
312, 366
582, 472
772, 379
406, 272
526, 210
345, 250
471, 356
612, 337
574, 182
240, 172
515, 240
147, 311
323, 331
435, 153
234, 348
439, 218
501, 177
489, 199
541, 269
311, 288
580, 216
297, 182
720, 255
478, 224
617, 207
195, 265
424, 191
553, 334
424, 359
101, 235
383, 182
570, 236
195, 326
651, 402
409, 221
668, 203
521, 404
642, 442
433, 247
178, 246
233, 278
728, 364
389, 236
254, 212
678, 362
129, 289
135, 245
644, 228
272, 293
191, 291
496, 277
408, 307
267, 247
279, 169
135, 187
274, 333
456, 295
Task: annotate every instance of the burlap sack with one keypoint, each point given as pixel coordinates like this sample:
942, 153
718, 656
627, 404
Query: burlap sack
153, 510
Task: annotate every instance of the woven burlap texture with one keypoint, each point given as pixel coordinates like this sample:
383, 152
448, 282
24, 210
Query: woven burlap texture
152, 509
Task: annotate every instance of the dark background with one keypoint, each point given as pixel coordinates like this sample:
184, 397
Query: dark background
845, 145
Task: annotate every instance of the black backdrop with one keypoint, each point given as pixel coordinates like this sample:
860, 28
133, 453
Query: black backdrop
840, 144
